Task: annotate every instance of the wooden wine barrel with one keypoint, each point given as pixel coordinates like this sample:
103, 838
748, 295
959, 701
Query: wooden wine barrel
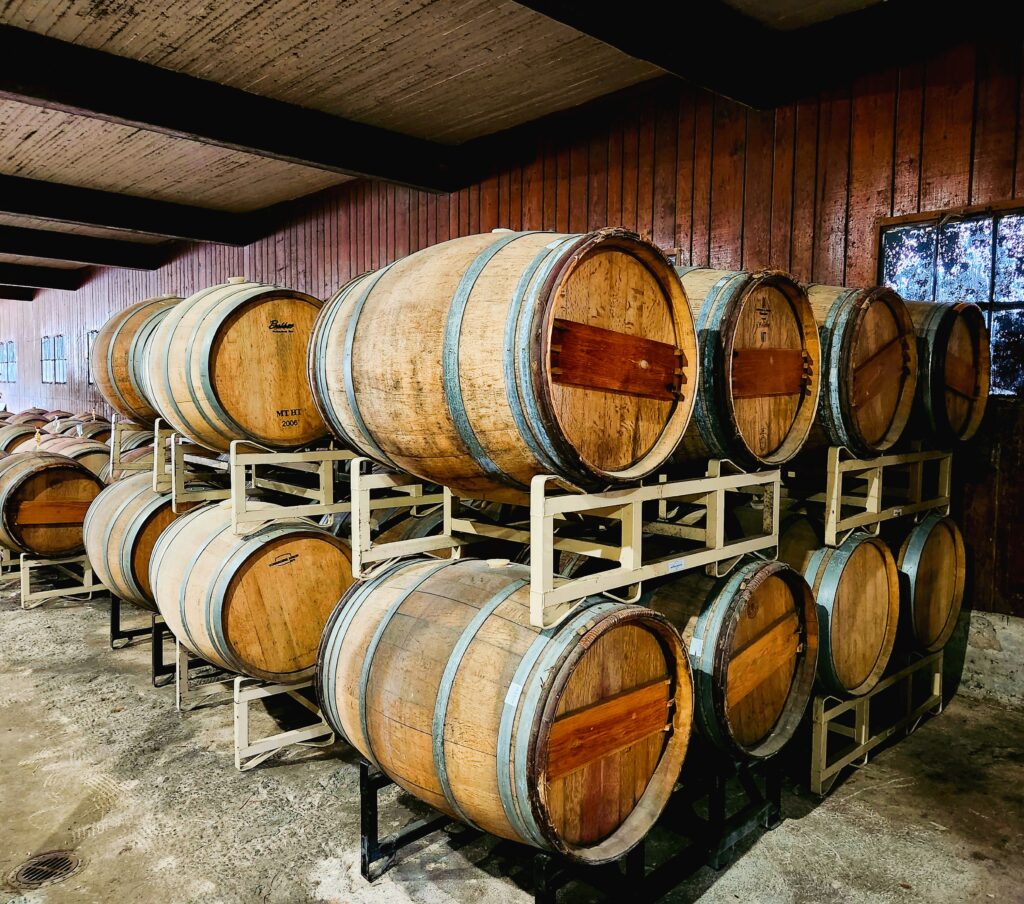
121, 529
869, 367
143, 455
760, 368
95, 430
43, 501
228, 363
17, 437
568, 739
87, 416
118, 357
856, 588
486, 360
135, 439
933, 559
953, 386
87, 452
752, 639
29, 419
255, 604
55, 413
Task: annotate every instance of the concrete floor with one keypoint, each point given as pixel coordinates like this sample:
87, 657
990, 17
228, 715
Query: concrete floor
93, 758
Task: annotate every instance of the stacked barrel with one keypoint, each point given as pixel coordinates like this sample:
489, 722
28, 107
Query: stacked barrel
477, 365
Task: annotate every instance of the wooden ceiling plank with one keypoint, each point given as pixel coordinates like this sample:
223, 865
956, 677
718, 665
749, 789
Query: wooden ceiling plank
42, 243
122, 90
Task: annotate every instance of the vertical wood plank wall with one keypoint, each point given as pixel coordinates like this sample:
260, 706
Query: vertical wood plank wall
801, 188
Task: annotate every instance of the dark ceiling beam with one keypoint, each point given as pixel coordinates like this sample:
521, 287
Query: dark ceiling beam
16, 293
83, 249
59, 75
713, 45
42, 277
706, 42
91, 207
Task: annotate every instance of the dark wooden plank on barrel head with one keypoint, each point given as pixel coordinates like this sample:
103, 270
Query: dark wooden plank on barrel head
33, 513
596, 358
758, 372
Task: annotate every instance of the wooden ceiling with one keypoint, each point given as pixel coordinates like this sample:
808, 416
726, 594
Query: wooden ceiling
110, 109
444, 70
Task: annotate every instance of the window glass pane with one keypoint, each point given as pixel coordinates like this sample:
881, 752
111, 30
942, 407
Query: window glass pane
1008, 352
1010, 258
3, 352
965, 261
48, 371
58, 347
47, 349
908, 258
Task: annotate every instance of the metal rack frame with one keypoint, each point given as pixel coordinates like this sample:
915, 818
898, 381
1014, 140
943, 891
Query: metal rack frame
707, 840
216, 686
828, 720
868, 501
117, 428
86, 585
552, 596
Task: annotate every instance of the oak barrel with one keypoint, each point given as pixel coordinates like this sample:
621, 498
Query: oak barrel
932, 557
483, 361
17, 437
256, 603
118, 357
120, 530
88, 452
760, 371
229, 363
869, 367
30, 419
953, 353
568, 739
96, 430
43, 501
143, 455
856, 589
752, 639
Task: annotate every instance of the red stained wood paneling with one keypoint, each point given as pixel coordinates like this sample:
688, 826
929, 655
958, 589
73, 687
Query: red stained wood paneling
947, 134
757, 190
727, 161
871, 155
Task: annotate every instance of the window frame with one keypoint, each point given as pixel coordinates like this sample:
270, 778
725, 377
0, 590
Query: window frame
990, 308
90, 341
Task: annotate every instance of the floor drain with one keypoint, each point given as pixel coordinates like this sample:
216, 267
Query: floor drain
44, 869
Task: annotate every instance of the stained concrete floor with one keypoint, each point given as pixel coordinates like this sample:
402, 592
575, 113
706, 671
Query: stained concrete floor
94, 759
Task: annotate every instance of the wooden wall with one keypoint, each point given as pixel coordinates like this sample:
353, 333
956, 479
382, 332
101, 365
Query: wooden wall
801, 188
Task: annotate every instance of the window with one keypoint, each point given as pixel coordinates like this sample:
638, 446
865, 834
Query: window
8, 362
54, 360
976, 257
90, 341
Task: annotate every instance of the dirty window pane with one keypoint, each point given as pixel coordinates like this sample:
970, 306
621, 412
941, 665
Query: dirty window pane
965, 261
908, 255
1008, 353
1010, 259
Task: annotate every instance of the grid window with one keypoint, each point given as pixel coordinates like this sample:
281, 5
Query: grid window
977, 258
54, 360
8, 362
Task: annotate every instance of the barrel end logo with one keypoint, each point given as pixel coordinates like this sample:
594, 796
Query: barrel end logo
281, 326
285, 558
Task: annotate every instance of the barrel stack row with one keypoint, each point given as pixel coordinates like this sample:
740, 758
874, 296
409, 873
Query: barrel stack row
478, 364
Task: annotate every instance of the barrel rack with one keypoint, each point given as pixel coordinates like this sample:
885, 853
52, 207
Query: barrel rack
197, 683
859, 719
702, 815
650, 509
161, 671
118, 427
74, 568
861, 494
